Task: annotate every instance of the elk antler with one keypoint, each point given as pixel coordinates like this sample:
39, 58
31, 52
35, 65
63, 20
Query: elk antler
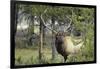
70, 20
45, 23
69, 24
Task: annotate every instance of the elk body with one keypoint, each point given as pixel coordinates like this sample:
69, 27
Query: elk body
63, 41
65, 46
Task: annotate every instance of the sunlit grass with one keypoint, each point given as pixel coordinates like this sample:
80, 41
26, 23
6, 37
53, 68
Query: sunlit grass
29, 56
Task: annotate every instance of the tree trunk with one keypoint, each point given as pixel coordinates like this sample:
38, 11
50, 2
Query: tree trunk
16, 18
44, 35
41, 41
53, 41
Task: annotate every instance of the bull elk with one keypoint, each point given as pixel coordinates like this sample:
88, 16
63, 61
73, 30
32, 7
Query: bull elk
65, 45
63, 42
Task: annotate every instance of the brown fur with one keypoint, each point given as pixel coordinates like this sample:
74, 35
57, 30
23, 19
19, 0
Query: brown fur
59, 43
65, 46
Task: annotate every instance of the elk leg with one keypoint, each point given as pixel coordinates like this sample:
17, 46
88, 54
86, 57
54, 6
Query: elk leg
65, 58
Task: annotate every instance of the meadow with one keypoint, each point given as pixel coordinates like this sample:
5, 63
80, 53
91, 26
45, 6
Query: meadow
29, 56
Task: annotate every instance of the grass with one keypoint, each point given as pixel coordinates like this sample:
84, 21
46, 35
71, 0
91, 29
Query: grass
26, 56
29, 56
